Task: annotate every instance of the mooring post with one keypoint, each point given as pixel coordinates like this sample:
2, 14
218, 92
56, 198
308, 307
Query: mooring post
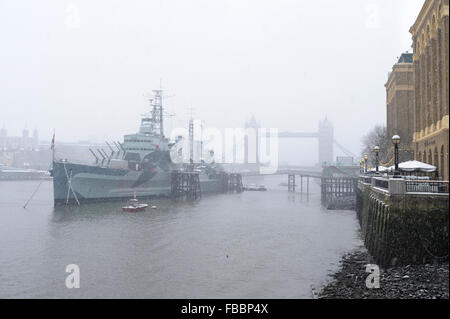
185, 185
291, 183
301, 184
307, 185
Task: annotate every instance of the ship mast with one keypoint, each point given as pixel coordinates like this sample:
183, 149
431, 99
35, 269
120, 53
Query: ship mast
157, 111
191, 141
191, 137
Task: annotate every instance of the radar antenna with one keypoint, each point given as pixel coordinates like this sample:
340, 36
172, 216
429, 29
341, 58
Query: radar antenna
157, 112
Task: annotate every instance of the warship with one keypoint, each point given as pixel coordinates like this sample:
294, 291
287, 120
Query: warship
139, 166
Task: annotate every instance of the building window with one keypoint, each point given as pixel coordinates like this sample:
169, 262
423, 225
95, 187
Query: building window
436, 159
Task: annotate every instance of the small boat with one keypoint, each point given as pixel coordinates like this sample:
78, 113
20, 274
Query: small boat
134, 206
256, 188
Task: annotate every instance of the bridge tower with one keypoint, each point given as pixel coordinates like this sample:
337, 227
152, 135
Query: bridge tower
256, 125
326, 138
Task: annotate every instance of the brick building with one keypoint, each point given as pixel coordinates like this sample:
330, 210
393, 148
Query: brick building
430, 36
400, 105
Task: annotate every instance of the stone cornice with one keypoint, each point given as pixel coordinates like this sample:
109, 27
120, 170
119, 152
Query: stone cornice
421, 17
424, 29
444, 12
433, 130
398, 68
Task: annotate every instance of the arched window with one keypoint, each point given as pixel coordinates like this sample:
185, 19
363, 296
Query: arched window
436, 159
430, 158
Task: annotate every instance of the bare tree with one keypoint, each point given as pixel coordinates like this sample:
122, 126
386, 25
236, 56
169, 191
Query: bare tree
376, 137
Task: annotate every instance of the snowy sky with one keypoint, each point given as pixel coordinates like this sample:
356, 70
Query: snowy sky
82, 67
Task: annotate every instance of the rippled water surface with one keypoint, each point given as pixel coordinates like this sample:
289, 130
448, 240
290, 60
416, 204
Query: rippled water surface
270, 244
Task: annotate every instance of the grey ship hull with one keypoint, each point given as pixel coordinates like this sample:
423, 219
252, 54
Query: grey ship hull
94, 183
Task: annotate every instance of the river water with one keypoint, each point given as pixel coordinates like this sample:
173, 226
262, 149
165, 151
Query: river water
272, 244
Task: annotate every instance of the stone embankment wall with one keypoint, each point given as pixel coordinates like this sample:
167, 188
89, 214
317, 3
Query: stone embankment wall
403, 229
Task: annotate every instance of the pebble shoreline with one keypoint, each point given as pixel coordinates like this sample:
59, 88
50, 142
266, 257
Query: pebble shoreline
430, 281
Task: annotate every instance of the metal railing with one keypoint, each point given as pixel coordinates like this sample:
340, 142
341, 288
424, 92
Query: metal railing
410, 186
435, 187
381, 183
365, 179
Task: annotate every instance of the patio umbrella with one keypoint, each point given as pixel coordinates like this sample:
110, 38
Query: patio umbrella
415, 166
381, 169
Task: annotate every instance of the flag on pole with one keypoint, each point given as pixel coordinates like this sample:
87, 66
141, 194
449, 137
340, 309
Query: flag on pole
52, 147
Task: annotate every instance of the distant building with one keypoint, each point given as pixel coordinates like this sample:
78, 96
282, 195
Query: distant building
22, 151
345, 160
400, 105
326, 142
3, 133
252, 124
19, 143
430, 34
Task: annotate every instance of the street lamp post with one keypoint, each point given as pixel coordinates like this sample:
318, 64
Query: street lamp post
365, 162
396, 141
377, 151
361, 170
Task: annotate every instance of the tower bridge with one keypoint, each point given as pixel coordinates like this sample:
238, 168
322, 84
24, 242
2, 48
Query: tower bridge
325, 136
